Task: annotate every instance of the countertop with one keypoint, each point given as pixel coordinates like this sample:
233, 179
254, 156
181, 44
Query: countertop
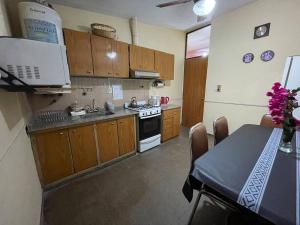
35, 125
169, 106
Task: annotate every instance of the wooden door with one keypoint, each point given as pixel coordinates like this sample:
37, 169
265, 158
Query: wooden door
79, 53
54, 154
164, 64
148, 60
141, 58
121, 61
102, 56
126, 133
108, 141
176, 122
167, 129
84, 149
194, 90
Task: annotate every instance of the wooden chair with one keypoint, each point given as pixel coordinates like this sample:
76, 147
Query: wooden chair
220, 126
267, 121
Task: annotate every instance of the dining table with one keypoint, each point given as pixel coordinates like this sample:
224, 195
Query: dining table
247, 169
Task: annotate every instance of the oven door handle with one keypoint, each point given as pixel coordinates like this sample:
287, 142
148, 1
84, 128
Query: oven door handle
148, 117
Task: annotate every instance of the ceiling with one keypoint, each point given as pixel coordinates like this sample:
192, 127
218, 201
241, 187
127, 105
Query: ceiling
179, 17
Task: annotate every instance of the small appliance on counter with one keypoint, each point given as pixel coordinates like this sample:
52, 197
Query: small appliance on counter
109, 107
149, 124
164, 100
154, 101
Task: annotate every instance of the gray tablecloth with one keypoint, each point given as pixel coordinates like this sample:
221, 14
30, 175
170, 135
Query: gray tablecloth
229, 168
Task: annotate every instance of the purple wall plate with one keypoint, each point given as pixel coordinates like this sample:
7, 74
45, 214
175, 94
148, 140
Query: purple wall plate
267, 56
248, 58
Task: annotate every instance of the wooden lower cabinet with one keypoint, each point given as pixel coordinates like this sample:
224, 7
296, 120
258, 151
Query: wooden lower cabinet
108, 141
54, 155
61, 153
84, 148
126, 134
116, 138
170, 124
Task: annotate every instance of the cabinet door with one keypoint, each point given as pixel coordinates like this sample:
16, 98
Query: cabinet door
102, 56
141, 58
84, 149
121, 61
126, 133
54, 155
176, 122
108, 141
135, 57
148, 59
164, 64
167, 129
79, 53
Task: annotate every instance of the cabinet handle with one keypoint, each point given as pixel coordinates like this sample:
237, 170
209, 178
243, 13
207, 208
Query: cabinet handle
61, 133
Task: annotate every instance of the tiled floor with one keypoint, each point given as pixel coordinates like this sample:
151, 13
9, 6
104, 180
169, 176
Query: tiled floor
142, 190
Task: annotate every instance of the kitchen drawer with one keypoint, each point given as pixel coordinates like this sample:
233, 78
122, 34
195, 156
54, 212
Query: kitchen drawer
170, 113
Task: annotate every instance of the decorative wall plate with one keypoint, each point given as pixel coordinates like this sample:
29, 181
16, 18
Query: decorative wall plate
248, 58
267, 56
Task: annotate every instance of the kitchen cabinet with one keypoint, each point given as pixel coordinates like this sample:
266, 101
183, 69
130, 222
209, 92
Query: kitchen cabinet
116, 138
54, 155
79, 53
170, 124
110, 57
121, 61
108, 141
141, 58
126, 134
84, 148
164, 65
102, 53
61, 153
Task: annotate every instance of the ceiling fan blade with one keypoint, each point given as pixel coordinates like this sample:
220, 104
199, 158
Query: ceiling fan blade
173, 3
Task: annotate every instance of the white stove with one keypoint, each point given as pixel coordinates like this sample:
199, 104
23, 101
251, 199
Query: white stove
147, 110
149, 125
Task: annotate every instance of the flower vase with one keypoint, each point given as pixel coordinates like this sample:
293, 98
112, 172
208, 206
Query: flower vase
287, 137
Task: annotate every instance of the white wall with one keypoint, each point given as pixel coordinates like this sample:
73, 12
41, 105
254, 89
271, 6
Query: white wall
20, 191
231, 38
159, 38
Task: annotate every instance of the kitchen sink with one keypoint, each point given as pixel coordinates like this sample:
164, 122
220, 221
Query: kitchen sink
97, 113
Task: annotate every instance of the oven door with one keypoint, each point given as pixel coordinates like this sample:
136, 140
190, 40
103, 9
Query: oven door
149, 127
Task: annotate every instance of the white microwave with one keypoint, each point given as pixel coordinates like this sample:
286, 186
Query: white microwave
38, 64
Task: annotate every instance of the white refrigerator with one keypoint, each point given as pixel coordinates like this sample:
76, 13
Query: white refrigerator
291, 78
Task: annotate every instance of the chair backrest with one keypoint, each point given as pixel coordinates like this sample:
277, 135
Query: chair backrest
220, 129
267, 121
199, 142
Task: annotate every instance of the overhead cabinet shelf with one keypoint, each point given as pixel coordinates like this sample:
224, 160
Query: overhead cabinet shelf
94, 56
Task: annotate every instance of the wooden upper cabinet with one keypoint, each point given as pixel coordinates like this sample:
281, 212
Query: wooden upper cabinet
126, 133
108, 141
121, 61
79, 54
54, 155
101, 50
164, 65
84, 149
141, 58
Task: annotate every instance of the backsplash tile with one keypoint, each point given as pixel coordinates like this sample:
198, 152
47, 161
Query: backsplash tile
95, 88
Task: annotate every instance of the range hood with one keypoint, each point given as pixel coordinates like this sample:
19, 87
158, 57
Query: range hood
144, 74
37, 64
